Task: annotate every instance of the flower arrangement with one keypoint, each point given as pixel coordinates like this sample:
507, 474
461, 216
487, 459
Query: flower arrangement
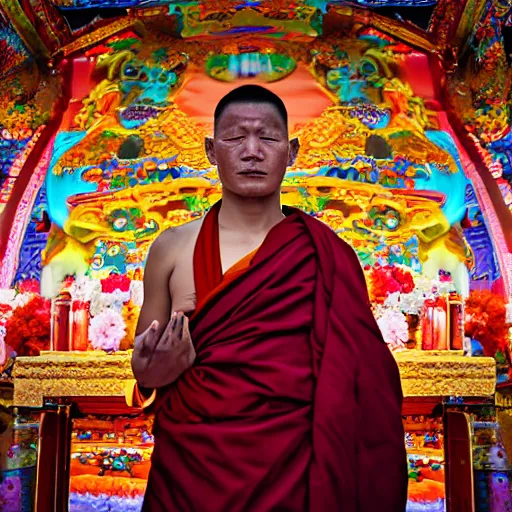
388, 279
107, 330
29, 286
112, 306
409, 303
115, 282
10, 299
105, 312
28, 327
485, 321
112, 300
5, 312
393, 326
83, 288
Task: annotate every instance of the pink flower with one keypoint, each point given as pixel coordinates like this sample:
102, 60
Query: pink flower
106, 330
394, 328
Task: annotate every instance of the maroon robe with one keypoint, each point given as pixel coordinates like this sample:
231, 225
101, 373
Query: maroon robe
294, 400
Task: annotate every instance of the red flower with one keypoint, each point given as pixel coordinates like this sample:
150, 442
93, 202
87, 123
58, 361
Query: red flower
389, 279
486, 321
4, 309
28, 328
115, 282
28, 286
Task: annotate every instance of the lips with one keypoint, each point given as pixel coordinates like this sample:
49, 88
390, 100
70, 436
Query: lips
253, 172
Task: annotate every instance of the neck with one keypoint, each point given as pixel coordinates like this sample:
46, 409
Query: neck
256, 215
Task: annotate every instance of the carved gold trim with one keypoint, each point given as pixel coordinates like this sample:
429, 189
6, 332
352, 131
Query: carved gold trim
100, 34
61, 374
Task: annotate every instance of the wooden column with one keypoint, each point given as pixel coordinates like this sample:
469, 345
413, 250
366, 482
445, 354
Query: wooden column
459, 463
53, 460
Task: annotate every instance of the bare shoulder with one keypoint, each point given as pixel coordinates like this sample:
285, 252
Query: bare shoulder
173, 242
189, 230
168, 238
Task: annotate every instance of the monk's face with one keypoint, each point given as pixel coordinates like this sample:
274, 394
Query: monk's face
251, 149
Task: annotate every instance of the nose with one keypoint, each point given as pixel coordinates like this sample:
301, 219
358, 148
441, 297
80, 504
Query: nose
252, 148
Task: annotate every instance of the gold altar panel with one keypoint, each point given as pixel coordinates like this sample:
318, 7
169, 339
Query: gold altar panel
69, 374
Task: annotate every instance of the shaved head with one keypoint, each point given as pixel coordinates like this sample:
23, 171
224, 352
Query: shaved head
251, 94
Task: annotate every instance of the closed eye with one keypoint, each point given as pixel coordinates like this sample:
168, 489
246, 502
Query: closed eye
269, 139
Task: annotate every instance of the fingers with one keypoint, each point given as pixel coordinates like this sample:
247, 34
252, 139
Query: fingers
176, 329
180, 326
169, 333
185, 331
147, 339
170, 328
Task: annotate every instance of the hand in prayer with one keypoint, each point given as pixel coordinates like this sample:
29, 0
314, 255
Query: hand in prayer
159, 358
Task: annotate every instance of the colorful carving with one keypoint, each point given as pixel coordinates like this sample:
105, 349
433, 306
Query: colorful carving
481, 94
27, 103
294, 22
131, 141
374, 165
378, 163
251, 63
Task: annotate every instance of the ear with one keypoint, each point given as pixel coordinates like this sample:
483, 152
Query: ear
210, 150
293, 151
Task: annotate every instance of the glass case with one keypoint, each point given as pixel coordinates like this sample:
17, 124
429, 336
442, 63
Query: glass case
110, 461
492, 467
18, 465
424, 439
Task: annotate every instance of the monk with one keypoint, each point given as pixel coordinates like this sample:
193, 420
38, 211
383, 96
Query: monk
256, 347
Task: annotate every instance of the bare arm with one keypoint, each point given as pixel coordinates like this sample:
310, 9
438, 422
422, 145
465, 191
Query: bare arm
157, 297
163, 348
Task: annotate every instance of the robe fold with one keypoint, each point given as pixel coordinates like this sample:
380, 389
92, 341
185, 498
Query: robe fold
294, 400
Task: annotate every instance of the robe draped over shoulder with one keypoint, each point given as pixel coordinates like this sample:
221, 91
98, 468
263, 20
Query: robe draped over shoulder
294, 400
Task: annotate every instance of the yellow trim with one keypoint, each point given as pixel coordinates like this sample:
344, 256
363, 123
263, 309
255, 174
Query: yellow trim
98, 35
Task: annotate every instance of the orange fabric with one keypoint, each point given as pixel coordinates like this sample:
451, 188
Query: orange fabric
209, 279
134, 398
231, 274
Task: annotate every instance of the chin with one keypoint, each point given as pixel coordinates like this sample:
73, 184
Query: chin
254, 192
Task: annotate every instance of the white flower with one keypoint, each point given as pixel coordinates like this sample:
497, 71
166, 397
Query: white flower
7, 295
101, 301
409, 303
393, 326
106, 330
393, 300
83, 288
21, 299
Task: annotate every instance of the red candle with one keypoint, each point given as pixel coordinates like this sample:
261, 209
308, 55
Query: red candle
80, 328
61, 325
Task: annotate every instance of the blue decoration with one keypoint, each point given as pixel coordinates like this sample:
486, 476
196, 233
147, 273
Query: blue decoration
477, 235
34, 241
